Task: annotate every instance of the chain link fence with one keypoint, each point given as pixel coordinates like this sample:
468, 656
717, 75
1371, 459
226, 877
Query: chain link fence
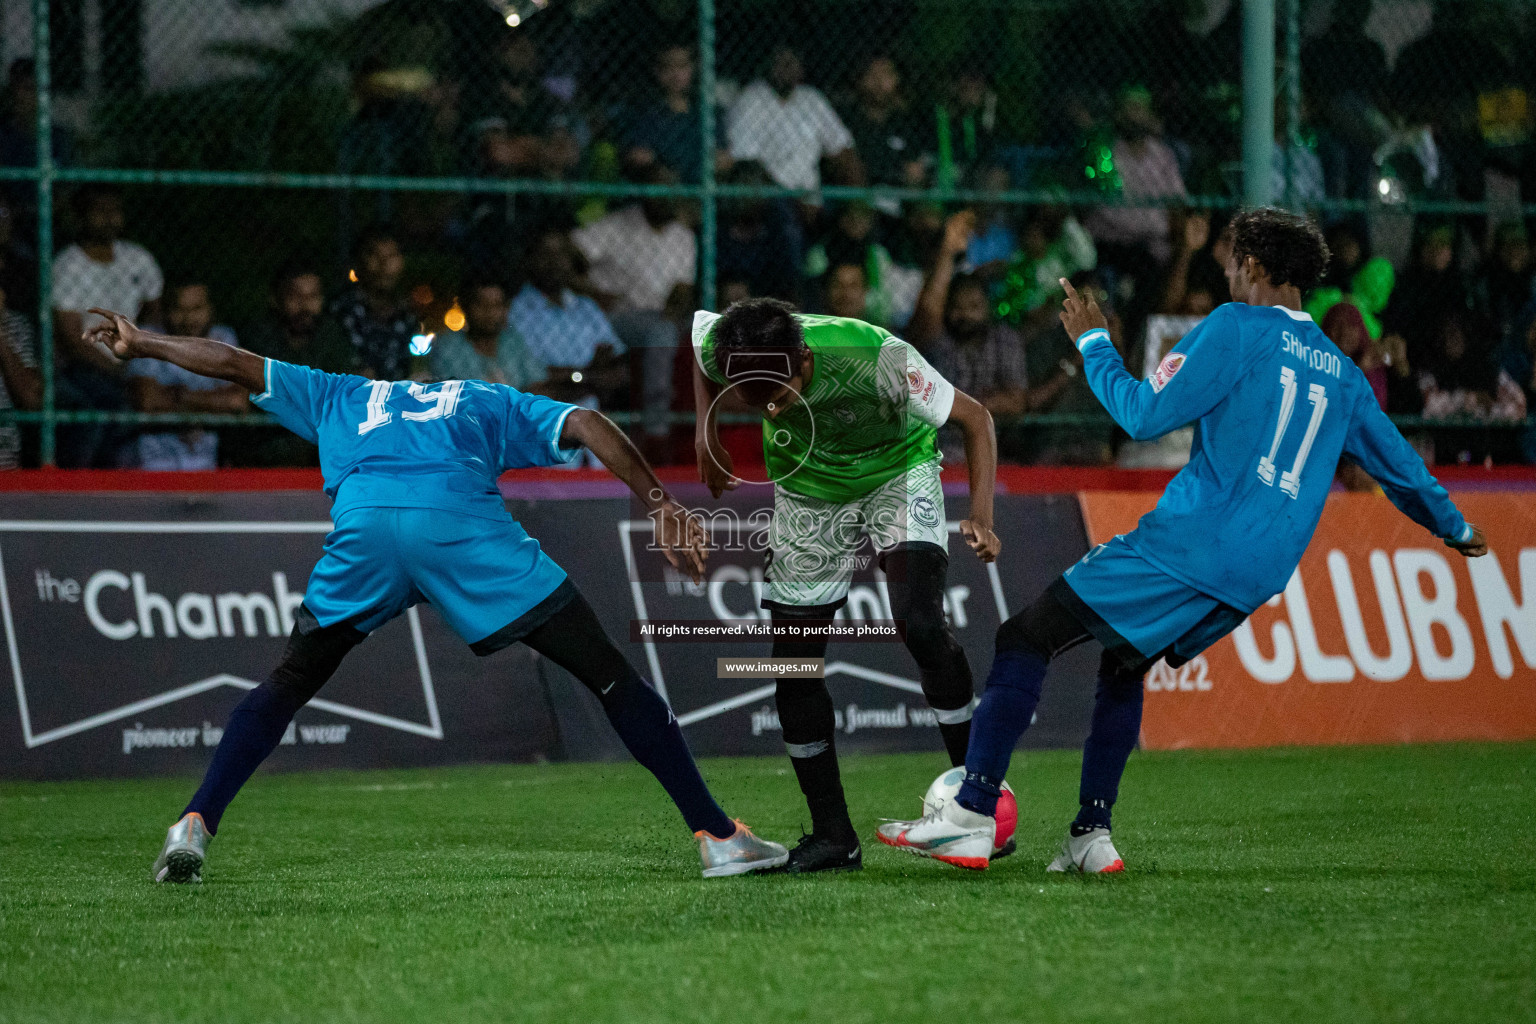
541, 192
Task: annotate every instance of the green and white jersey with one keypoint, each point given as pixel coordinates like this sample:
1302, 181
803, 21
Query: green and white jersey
869, 412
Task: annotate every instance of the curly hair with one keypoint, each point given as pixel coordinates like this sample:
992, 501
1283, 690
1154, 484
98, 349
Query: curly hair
758, 325
758, 345
1290, 248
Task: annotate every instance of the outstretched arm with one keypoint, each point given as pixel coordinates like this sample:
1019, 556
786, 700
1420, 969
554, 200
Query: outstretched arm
200, 355
1189, 383
981, 460
927, 321
680, 535
1374, 443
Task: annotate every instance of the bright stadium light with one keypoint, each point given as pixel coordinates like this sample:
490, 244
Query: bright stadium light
1391, 191
421, 344
515, 12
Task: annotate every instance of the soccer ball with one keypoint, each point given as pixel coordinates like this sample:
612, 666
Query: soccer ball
947, 786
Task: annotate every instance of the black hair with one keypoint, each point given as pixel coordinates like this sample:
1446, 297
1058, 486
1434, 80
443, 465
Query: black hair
175, 287
670, 45
91, 192
764, 332
869, 60
1206, 276
291, 270
544, 229
1289, 247
960, 282
654, 173
473, 282
377, 234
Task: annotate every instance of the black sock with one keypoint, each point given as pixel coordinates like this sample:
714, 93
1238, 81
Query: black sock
822, 784
957, 739
810, 728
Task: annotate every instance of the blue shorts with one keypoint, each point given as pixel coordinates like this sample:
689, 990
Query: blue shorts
1139, 612
487, 577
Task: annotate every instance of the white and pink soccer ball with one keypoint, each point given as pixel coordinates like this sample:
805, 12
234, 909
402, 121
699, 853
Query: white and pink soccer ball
947, 786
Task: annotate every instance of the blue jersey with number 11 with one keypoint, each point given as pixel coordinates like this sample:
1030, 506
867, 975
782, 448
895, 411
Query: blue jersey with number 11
1274, 404
399, 444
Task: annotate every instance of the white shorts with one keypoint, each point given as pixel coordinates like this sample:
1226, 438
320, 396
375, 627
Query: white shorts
815, 544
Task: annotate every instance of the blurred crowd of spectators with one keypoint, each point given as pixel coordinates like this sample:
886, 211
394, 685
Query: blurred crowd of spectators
588, 300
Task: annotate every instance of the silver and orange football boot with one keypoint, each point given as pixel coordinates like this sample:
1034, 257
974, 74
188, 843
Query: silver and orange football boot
1091, 853
740, 853
186, 847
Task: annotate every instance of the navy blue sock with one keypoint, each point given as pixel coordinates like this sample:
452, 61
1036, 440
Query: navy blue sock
1116, 727
1006, 709
253, 731
651, 734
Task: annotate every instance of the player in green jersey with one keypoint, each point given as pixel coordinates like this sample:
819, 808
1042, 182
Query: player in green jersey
850, 414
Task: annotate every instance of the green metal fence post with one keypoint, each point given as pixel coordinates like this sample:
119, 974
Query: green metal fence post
707, 221
1258, 99
41, 50
1292, 100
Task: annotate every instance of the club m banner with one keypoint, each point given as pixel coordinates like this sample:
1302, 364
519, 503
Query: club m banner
1382, 635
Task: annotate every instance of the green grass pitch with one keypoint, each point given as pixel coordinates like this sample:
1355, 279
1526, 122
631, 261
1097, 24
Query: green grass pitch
1389, 883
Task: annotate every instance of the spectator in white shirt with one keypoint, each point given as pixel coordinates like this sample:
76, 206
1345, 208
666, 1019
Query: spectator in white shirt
158, 386
641, 270
789, 127
104, 271
21, 386
101, 270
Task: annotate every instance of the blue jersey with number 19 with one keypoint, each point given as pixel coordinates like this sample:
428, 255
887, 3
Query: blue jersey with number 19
398, 444
1274, 404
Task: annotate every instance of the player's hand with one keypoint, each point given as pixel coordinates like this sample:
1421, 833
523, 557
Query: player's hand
958, 230
116, 333
716, 470
1080, 314
981, 539
682, 539
1473, 547
1197, 231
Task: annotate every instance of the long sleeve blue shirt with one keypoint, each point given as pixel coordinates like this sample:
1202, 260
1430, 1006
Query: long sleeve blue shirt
1274, 404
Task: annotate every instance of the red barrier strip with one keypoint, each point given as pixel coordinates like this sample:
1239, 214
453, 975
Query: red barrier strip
1010, 479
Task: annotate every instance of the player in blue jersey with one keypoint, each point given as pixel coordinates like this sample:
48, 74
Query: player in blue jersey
411, 470
1275, 406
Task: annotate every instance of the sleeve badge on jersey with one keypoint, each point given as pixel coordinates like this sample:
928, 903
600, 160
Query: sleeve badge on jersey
1170, 365
915, 381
